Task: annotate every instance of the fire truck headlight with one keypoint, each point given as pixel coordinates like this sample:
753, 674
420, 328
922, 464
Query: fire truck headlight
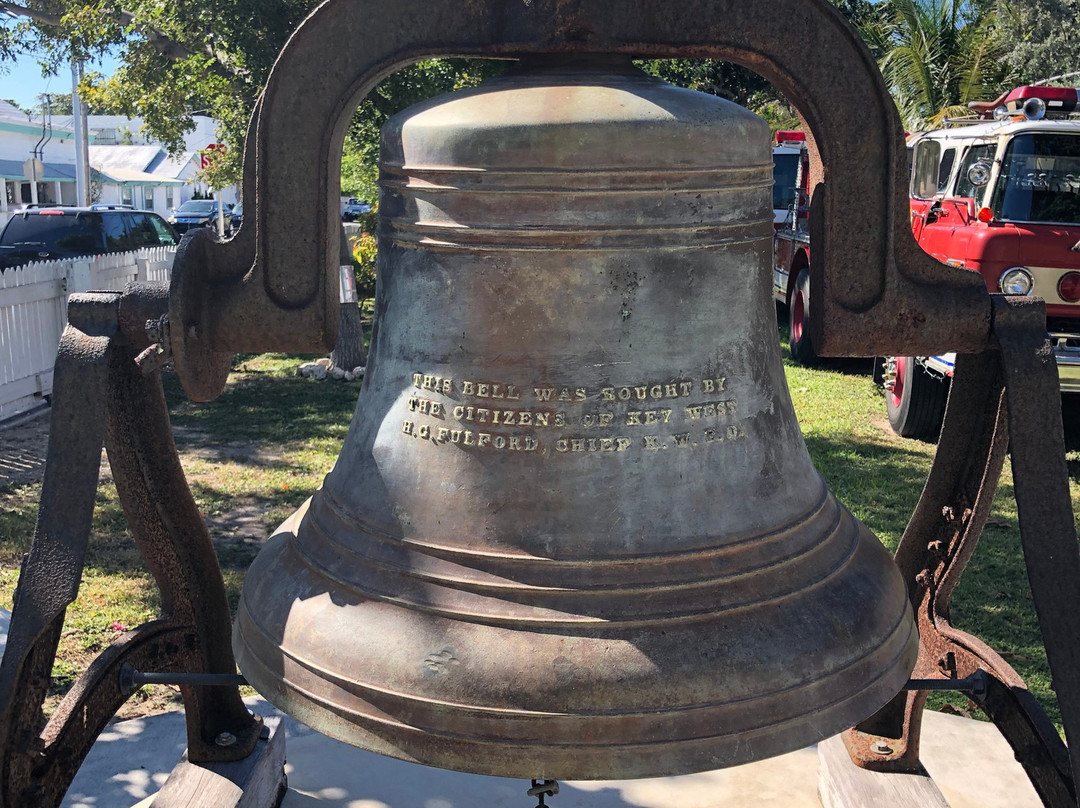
1016, 281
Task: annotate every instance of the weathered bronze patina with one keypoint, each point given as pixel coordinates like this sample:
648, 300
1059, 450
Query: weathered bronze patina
574, 530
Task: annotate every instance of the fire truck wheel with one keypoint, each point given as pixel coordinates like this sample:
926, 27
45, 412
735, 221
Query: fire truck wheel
802, 350
916, 402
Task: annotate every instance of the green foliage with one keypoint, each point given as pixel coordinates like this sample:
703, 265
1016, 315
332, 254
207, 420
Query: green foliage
727, 80
408, 86
364, 252
58, 104
937, 55
1042, 44
176, 59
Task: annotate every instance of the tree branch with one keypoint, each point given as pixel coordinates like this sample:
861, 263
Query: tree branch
164, 45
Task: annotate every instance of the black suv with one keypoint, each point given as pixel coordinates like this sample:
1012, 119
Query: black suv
43, 234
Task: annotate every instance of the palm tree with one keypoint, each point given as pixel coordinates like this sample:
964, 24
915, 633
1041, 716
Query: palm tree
937, 55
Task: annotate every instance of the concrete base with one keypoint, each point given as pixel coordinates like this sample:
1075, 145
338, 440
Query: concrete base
968, 760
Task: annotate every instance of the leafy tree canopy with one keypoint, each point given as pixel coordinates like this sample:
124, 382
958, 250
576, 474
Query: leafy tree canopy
177, 59
212, 57
937, 55
1041, 41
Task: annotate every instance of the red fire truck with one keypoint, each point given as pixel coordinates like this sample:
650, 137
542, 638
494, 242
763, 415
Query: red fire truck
791, 240
1001, 197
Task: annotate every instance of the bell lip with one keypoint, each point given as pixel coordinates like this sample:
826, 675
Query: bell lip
457, 750
569, 761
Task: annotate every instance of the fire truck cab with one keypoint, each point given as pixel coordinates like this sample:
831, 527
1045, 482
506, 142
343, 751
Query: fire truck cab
998, 195
791, 239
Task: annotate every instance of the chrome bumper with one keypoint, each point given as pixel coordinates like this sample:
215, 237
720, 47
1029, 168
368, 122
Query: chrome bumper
1067, 353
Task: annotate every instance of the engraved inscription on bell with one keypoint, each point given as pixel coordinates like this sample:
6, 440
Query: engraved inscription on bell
549, 420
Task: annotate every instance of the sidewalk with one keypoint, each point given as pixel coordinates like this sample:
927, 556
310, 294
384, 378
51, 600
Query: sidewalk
968, 760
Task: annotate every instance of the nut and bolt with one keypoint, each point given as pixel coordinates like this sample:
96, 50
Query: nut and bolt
225, 739
881, 748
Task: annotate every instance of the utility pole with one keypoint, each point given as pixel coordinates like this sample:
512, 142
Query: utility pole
82, 138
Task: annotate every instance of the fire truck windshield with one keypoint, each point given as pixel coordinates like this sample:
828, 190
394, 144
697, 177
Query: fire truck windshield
785, 171
1040, 180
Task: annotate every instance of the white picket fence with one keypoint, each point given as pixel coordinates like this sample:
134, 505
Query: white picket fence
33, 312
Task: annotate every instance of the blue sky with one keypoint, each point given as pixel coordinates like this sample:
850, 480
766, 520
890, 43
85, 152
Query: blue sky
22, 81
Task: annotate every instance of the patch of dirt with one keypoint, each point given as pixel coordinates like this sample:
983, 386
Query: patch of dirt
881, 422
23, 444
237, 534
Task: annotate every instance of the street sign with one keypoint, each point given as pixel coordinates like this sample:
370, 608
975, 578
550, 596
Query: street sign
33, 169
206, 157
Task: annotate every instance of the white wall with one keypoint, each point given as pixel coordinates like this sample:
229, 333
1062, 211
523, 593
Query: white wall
203, 135
20, 145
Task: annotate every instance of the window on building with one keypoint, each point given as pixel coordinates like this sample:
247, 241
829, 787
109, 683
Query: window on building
170, 197
148, 197
125, 194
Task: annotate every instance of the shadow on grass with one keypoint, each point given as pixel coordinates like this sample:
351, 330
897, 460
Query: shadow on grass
848, 366
881, 484
270, 410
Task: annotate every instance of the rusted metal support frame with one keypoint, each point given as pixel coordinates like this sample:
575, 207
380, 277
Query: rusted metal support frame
1011, 390
274, 286
101, 395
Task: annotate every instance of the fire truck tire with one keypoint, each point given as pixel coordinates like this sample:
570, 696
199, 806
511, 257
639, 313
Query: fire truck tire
916, 402
802, 349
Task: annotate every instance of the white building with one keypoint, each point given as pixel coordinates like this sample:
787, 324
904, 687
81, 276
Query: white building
125, 168
19, 136
116, 130
144, 177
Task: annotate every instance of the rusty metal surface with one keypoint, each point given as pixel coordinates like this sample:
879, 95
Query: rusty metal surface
559, 492
273, 287
944, 532
99, 394
51, 572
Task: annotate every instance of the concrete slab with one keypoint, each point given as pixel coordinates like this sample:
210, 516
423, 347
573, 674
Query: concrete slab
968, 760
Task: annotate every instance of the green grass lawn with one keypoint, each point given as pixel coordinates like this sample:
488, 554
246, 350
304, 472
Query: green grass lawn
253, 455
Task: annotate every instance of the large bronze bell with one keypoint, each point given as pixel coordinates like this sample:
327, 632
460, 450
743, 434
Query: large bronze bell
574, 530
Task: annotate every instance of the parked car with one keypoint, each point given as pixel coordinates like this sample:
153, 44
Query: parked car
195, 213
353, 209
235, 218
42, 234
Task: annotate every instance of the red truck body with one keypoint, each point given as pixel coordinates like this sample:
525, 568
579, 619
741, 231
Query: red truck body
1000, 197
791, 239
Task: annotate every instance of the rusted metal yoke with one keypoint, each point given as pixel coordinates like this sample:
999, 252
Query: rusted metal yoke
1005, 399
101, 395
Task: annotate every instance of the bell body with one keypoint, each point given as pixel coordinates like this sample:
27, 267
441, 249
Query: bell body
574, 531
